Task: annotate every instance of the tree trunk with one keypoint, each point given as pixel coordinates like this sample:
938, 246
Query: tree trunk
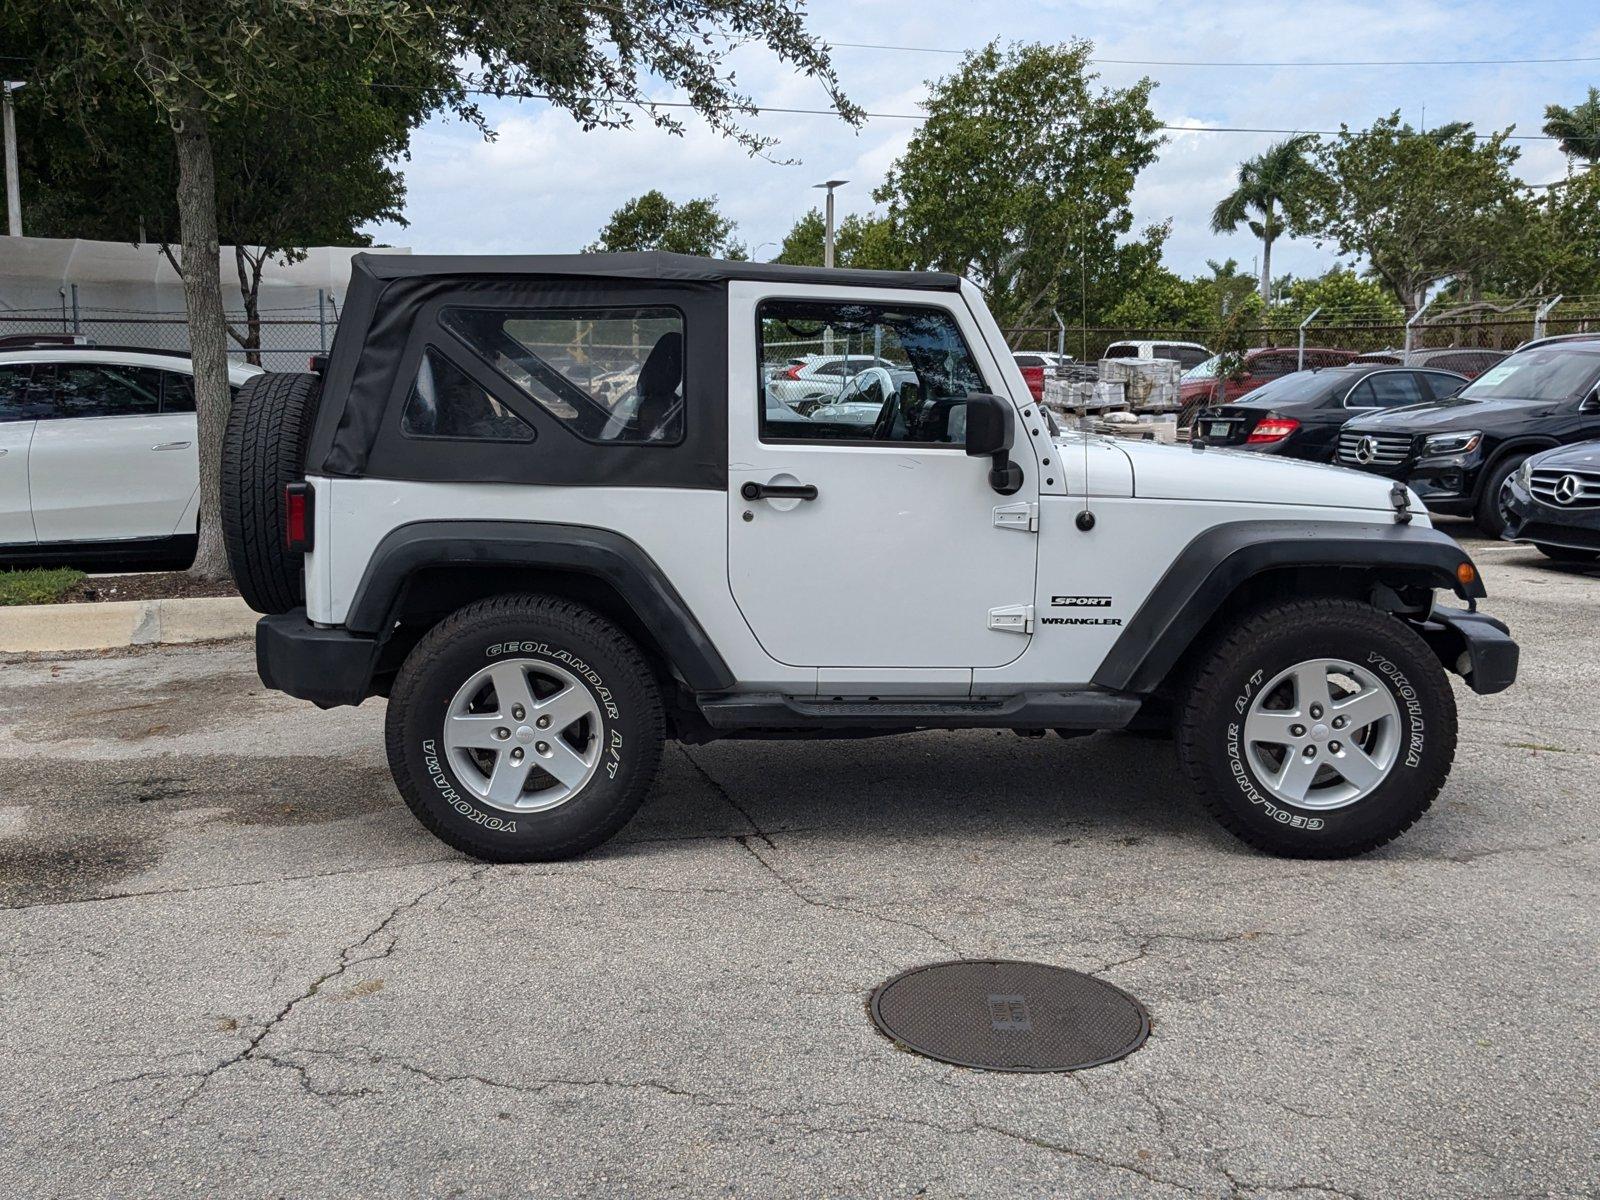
250, 288
1266, 258
208, 337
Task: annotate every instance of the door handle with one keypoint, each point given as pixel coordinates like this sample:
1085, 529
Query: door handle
170, 446
4, 451
777, 491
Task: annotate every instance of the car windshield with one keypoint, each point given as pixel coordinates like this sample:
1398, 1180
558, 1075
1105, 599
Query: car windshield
1553, 373
1206, 370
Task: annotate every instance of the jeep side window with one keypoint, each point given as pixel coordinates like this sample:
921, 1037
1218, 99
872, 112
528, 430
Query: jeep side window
444, 403
916, 394
607, 374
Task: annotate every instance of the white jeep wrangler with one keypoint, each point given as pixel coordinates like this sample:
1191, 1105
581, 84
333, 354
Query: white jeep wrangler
548, 507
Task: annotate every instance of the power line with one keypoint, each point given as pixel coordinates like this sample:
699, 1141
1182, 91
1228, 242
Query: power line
760, 109
1184, 62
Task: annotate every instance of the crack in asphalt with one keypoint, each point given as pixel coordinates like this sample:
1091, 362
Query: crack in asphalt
199, 888
251, 1050
726, 796
817, 902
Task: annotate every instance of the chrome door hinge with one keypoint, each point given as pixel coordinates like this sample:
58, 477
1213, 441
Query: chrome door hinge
1022, 516
1013, 618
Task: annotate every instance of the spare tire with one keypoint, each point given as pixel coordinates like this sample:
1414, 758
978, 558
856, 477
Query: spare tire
263, 450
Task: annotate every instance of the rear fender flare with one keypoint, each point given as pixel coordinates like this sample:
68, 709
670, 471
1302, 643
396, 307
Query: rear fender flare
607, 556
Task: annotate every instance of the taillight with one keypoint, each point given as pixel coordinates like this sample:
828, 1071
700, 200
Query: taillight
793, 372
1272, 429
1035, 380
297, 516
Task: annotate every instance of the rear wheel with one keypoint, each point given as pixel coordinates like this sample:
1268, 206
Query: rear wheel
264, 449
1318, 729
1566, 554
524, 728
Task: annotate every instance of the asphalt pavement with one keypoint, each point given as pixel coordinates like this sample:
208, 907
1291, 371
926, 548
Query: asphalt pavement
232, 964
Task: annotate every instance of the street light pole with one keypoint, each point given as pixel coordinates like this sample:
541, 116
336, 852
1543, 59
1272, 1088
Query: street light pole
827, 240
13, 187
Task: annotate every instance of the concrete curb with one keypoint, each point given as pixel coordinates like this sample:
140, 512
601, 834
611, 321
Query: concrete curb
31, 628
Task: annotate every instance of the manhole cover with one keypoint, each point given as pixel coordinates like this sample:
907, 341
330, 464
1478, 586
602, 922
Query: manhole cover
1010, 1016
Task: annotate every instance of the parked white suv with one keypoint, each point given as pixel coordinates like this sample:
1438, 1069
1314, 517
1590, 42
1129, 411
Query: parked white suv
97, 455
549, 581
820, 378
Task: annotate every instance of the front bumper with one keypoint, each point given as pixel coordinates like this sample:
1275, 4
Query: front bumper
1443, 482
328, 667
1531, 520
1475, 646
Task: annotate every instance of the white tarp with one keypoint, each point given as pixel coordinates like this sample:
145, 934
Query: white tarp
35, 272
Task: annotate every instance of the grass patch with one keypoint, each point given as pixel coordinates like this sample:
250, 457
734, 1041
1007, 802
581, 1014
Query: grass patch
37, 587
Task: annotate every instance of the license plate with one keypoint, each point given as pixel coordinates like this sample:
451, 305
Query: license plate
1219, 429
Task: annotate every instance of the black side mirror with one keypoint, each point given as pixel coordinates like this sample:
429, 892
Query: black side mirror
991, 431
1591, 404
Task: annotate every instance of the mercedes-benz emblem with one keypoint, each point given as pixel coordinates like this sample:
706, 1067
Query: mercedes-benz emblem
1568, 488
1366, 450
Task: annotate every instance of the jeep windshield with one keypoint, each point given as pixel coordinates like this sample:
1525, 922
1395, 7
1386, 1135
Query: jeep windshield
1554, 373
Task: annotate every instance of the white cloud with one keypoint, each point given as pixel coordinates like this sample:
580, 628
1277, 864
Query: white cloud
545, 185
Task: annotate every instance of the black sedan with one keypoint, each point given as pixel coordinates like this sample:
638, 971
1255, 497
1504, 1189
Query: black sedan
1553, 501
1299, 416
1457, 454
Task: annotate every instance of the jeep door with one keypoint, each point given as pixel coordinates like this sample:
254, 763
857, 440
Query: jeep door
861, 539
106, 463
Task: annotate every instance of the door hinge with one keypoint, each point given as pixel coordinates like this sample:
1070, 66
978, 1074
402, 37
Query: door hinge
1013, 618
1022, 516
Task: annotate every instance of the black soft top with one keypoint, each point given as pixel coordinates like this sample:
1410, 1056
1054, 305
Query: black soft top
653, 265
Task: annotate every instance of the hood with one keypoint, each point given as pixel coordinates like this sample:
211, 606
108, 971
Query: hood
1571, 458
1238, 476
1457, 412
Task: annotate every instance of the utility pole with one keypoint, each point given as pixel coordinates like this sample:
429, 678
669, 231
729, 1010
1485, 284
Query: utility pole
13, 187
827, 240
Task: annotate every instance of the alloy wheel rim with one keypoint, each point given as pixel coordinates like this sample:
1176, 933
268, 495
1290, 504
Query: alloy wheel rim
1323, 734
523, 735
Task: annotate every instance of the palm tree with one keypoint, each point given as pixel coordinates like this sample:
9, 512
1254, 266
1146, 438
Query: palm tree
1578, 127
1273, 185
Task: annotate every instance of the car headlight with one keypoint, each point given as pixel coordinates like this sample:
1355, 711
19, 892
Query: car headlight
1525, 474
1452, 443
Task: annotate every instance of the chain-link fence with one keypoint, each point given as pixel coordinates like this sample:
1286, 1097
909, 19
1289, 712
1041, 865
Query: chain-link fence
1477, 326
280, 340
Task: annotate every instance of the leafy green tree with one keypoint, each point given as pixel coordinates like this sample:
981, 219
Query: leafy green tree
202, 66
1275, 185
863, 242
1578, 127
1344, 298
1557, 247
1021, 178
652, 222
1419, 208
281, 185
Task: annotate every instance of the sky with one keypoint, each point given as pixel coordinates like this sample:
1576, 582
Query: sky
544, 185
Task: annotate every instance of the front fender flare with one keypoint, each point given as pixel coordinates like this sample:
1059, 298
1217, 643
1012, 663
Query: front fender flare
1212, 567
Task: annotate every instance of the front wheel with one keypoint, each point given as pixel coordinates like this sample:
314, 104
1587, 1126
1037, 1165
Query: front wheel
1318, 729
1490, 513
524, 728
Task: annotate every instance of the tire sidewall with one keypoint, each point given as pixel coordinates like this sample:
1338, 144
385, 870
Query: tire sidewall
431, 786
1426, 706
1489, 517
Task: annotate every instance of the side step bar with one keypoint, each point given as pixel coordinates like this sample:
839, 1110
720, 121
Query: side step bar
1090, 708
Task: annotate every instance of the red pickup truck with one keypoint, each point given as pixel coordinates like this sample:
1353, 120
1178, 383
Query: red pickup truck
1201, 387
